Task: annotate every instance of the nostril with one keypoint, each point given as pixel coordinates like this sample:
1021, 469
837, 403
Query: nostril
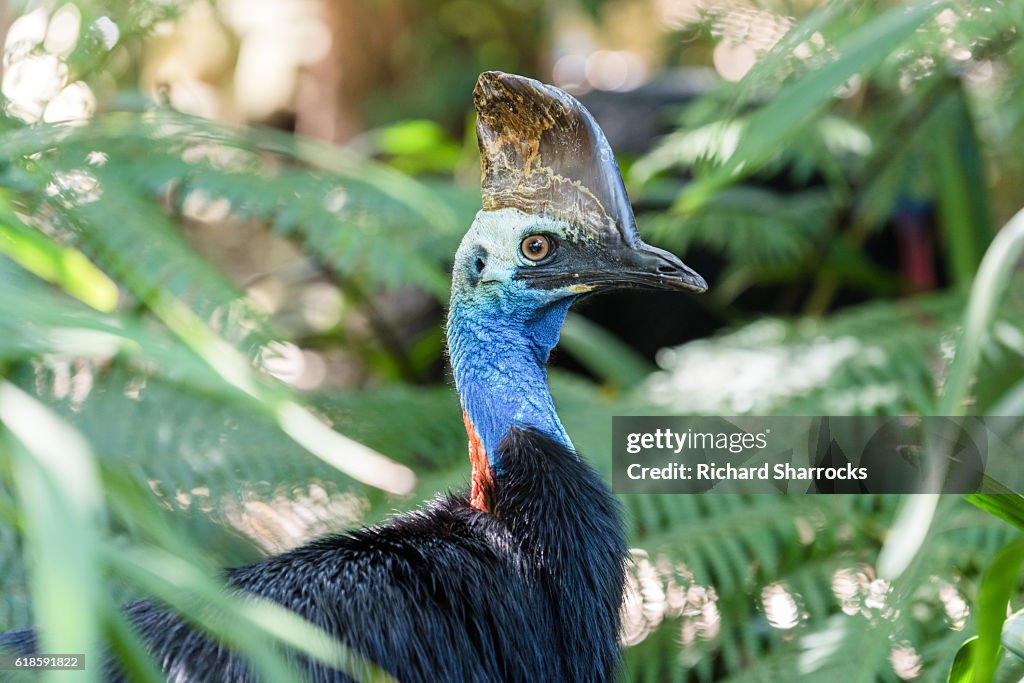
667, 270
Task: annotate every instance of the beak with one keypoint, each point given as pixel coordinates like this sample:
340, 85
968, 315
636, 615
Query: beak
648, 267
620, 266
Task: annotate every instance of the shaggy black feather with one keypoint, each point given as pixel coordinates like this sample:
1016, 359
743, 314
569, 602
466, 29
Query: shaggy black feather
527, 592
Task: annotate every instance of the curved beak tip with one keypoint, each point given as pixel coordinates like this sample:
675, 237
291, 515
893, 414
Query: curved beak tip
687, 280
665, 269
695, 283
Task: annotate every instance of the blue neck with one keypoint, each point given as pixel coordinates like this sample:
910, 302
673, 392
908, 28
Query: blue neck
498, 351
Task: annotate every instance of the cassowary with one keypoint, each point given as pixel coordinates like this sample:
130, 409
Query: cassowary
522, 579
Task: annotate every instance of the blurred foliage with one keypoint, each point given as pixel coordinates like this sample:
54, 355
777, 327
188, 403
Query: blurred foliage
927, 109
160, 274
455, 41
789, 183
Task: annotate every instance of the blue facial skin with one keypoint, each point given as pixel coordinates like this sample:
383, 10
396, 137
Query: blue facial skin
500, 335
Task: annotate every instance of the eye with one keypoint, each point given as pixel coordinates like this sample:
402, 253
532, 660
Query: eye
536, 247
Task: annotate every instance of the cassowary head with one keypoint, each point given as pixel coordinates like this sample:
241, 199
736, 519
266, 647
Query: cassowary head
556, 225
556, 222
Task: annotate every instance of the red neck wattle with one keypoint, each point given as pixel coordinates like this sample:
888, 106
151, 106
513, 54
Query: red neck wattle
482, 480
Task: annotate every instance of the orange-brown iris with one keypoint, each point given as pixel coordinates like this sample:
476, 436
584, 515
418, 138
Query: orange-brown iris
535, 247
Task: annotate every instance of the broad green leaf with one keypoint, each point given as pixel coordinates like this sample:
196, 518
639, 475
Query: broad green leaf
962, 670
61, 505
999, 582
63, 266
908, 533
987, 292
1007, 506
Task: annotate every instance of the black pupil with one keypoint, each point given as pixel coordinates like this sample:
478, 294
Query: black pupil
536, 246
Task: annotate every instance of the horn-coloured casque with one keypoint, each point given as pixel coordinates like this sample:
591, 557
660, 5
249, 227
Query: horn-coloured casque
543, 153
